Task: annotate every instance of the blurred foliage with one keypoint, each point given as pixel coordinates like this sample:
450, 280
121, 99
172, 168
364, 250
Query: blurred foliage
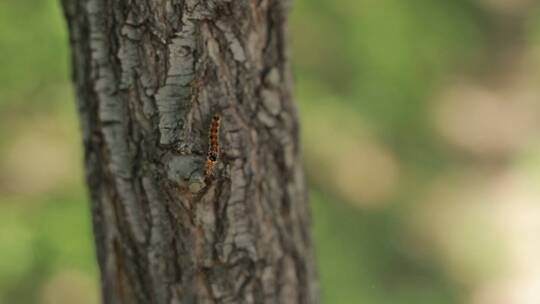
408, 205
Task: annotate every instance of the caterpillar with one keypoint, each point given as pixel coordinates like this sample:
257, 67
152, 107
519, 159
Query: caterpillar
213, 146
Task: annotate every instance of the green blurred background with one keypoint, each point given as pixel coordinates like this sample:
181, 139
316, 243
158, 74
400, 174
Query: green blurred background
421, 133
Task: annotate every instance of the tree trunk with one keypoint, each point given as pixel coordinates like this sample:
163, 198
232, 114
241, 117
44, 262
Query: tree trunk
149, 77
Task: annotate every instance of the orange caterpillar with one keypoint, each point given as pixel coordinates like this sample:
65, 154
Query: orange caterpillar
213, 146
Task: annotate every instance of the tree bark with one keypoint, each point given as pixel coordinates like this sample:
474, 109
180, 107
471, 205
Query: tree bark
149, 77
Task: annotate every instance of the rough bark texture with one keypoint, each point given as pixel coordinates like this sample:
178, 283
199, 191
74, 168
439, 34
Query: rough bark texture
149, 76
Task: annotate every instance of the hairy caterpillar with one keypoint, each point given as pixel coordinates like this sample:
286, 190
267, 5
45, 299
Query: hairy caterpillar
213, 146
